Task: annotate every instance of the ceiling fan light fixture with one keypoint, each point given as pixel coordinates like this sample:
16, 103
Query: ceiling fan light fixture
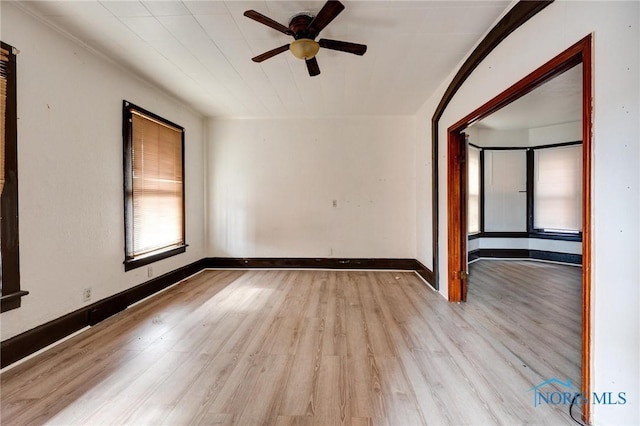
304, 48
305, 28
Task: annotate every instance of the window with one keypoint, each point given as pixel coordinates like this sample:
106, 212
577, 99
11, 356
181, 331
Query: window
558, 189
473, 191
9, 254
154, 187
505, 190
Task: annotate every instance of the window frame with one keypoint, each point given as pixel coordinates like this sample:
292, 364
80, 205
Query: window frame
531, 232
128, 109
11, 294
480, 178
569, 235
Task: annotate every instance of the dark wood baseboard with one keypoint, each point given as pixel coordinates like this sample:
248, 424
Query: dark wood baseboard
310, 263
425, 273
473, 255
575, 259
29, 342
323, 263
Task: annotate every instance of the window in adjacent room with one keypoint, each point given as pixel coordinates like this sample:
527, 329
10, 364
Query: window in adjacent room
558, 189
473, 191
154, 187
505, 195
10, 278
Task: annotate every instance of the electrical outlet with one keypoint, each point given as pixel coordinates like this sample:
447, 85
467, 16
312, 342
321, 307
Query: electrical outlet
149, 271
86, 294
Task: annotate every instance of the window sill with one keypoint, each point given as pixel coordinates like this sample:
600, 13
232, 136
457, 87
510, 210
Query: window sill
558, 236
12, 300
562, 236
130, 264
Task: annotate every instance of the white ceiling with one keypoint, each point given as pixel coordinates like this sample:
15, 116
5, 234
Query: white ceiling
201, 51
557, 101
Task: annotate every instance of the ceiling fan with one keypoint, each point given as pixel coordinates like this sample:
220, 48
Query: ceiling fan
304, 28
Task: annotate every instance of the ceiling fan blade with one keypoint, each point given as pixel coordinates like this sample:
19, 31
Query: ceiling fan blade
343, 46
329, 11
270, 53
256, 16
312, 66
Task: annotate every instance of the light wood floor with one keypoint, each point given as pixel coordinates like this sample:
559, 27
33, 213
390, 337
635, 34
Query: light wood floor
315, 347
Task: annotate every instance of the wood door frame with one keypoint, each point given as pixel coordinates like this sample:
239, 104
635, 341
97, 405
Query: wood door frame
457, 215
581, 52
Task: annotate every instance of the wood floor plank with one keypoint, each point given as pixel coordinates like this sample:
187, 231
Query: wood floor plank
294, 421
315, 348
400, 405
377, 333
176, 383
317, 301
333, 391
334, 340
193, 406
136, 393
301, 392
364, 376
263, 402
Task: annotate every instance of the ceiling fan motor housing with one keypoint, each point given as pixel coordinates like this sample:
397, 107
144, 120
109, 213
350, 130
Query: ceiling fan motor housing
299, 26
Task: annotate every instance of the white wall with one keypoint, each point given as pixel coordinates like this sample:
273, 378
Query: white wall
70, 166
424, 182
272, 183
536, 136
497, 138
615, 275
559, 133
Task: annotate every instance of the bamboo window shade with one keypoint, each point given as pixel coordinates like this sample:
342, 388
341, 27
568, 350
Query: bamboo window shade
157, 189
4, 63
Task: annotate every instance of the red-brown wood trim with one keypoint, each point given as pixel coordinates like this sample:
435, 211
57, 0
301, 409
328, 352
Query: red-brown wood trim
587, 149
581, 52
520, 13
561, 63
455, 192
462, 235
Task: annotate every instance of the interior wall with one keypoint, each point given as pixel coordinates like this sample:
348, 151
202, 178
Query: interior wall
424, 181
273, 183
71, 173
559, 133
615, 275
497, 138
536, 136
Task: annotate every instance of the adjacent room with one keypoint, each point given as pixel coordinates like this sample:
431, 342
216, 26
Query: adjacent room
263, 212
